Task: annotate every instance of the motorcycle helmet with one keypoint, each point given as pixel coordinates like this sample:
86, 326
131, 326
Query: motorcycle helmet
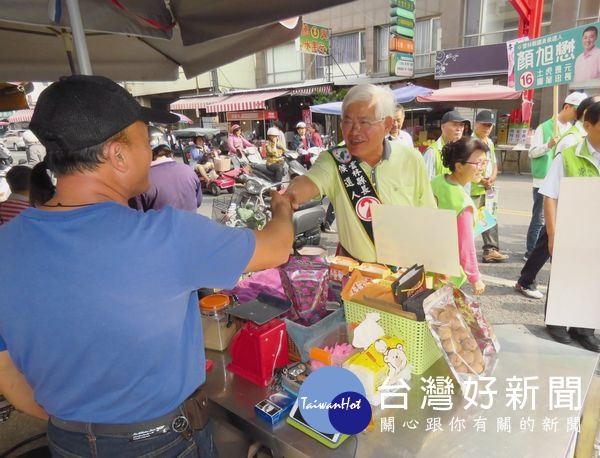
157, 136
301, 125
272, 131
234, 128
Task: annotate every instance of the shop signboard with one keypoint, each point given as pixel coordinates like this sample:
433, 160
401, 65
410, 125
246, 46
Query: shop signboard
401, 64
470, 62
251, 115
402, 44
402, 29
315, 39
570, 56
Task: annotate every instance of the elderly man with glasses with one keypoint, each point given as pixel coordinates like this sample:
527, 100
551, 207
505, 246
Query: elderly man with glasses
368, 170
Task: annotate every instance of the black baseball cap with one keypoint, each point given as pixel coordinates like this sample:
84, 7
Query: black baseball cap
453, 116
80, 111
486, 117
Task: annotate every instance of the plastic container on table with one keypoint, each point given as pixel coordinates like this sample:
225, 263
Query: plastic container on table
319, 347
217, 324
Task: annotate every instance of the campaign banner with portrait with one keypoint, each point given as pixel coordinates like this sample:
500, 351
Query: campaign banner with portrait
568, 57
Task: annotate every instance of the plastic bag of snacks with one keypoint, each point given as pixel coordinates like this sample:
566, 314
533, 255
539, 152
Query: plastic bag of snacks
473, 316
305, 282
454, 337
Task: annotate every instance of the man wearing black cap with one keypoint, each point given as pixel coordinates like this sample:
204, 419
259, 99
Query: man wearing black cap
453, 127
484, 123
92, 337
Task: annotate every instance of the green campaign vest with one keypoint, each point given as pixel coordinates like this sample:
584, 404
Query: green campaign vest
452, 197
541, 165
437, 152
579, 162
477, 189
573, 130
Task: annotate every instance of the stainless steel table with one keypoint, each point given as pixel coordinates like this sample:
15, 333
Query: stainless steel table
505, 150
523, 355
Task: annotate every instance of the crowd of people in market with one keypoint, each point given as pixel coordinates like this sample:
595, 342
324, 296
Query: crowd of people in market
137, 272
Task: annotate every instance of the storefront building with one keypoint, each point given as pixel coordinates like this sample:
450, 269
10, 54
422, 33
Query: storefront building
455, 42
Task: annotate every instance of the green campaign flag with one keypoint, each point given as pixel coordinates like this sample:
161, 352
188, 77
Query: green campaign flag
315, 39
570, 56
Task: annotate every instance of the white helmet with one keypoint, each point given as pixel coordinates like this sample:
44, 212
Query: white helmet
300, 125
272, 131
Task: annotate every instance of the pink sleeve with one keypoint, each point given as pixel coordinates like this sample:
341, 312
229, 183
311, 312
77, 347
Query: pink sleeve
230, 144
246, 143
466, 245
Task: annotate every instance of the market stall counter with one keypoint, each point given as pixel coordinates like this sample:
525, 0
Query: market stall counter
532, 408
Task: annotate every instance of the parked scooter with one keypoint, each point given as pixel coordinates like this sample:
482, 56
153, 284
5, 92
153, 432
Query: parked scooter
250, 207
252, 158
309, 156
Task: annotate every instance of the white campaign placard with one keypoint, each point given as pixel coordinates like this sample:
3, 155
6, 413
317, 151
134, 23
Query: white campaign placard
574, 290
408, 235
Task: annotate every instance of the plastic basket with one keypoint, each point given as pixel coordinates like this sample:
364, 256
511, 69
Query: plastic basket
421, 350
224, 207
219, 208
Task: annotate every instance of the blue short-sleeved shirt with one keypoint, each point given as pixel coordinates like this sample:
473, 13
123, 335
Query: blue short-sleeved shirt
99, 307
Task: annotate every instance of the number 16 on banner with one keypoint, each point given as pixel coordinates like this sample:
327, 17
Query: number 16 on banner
526, 80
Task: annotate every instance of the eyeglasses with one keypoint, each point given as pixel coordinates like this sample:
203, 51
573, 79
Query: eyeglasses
363, 124
480, 164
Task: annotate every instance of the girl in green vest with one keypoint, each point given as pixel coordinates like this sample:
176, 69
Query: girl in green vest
466, 160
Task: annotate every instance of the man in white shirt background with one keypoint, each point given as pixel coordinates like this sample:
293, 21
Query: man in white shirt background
582, 159
396, 132
542, 251
541, 155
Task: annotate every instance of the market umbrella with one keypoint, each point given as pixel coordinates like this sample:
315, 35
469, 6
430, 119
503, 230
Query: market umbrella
403, 94
183, 118
13, 95
494, 96
471, 94
140, 40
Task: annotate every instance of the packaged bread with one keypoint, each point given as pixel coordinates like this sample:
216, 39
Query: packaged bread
340, 266
373, 270
355, 284
453, 336
473, 316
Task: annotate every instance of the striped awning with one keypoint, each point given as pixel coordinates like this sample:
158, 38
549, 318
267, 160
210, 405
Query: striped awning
21, 116
193, 103
309, 90
246, 101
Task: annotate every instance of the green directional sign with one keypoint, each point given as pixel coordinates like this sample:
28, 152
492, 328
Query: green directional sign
402, 28
404, 4
570, 56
